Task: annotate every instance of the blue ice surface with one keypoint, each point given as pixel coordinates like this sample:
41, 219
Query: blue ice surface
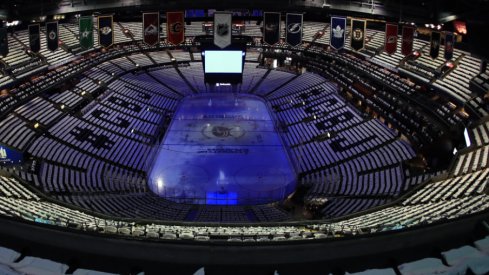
222, 149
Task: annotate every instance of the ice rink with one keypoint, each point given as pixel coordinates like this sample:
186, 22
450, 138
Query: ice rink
222, 149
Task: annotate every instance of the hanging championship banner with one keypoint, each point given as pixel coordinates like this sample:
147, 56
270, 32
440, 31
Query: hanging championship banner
407, 40
3, 42
175, 28
271, 28
52, 36
222, 29
105, 31
337, 36
435, 44
293, 23
449, 43
358, 34
390, 42
86, 32
34, 38
151, 28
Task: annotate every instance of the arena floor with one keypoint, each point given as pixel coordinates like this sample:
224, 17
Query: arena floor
222, 149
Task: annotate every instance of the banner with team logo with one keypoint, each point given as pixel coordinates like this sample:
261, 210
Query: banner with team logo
390, 42
34, 38
293, 34
435, 44
358, 34
338, 27
449, 43
52, 36
86, 32
3, 42
175, 28
222, 29
271, 27
105, 31
151, 28
407, 40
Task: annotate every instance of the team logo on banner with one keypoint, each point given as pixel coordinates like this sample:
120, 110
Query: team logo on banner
175, 29
86, 32
358, 34
3, 42
271, 27
105, 31
151, 29
407, 40
293, 35
390, 42
338, 26
449, 41
34, 38
222, 29
435, 44
52, 36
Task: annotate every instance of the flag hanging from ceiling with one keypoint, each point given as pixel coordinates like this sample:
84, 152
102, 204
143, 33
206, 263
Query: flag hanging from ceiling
337, 36
105, 31
52, 36
151, 28
3, 42
293, 23
175, 28
407, 40
358, 34
390, 42
86, 32
222, 29
34, 38
435, 44
449, 42
271, 27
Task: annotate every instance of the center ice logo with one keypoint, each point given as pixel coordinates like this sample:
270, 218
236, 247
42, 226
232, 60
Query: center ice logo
221, 131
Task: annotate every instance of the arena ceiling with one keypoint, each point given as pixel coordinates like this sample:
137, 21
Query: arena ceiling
432, 11
421, 12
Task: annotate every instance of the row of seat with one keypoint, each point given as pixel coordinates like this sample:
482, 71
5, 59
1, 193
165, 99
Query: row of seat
393, 217
456, 187
386, 99
16, 132
471, 258
311, 112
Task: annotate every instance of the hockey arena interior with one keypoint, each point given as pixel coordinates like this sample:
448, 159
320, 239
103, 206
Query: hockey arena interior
247, 137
